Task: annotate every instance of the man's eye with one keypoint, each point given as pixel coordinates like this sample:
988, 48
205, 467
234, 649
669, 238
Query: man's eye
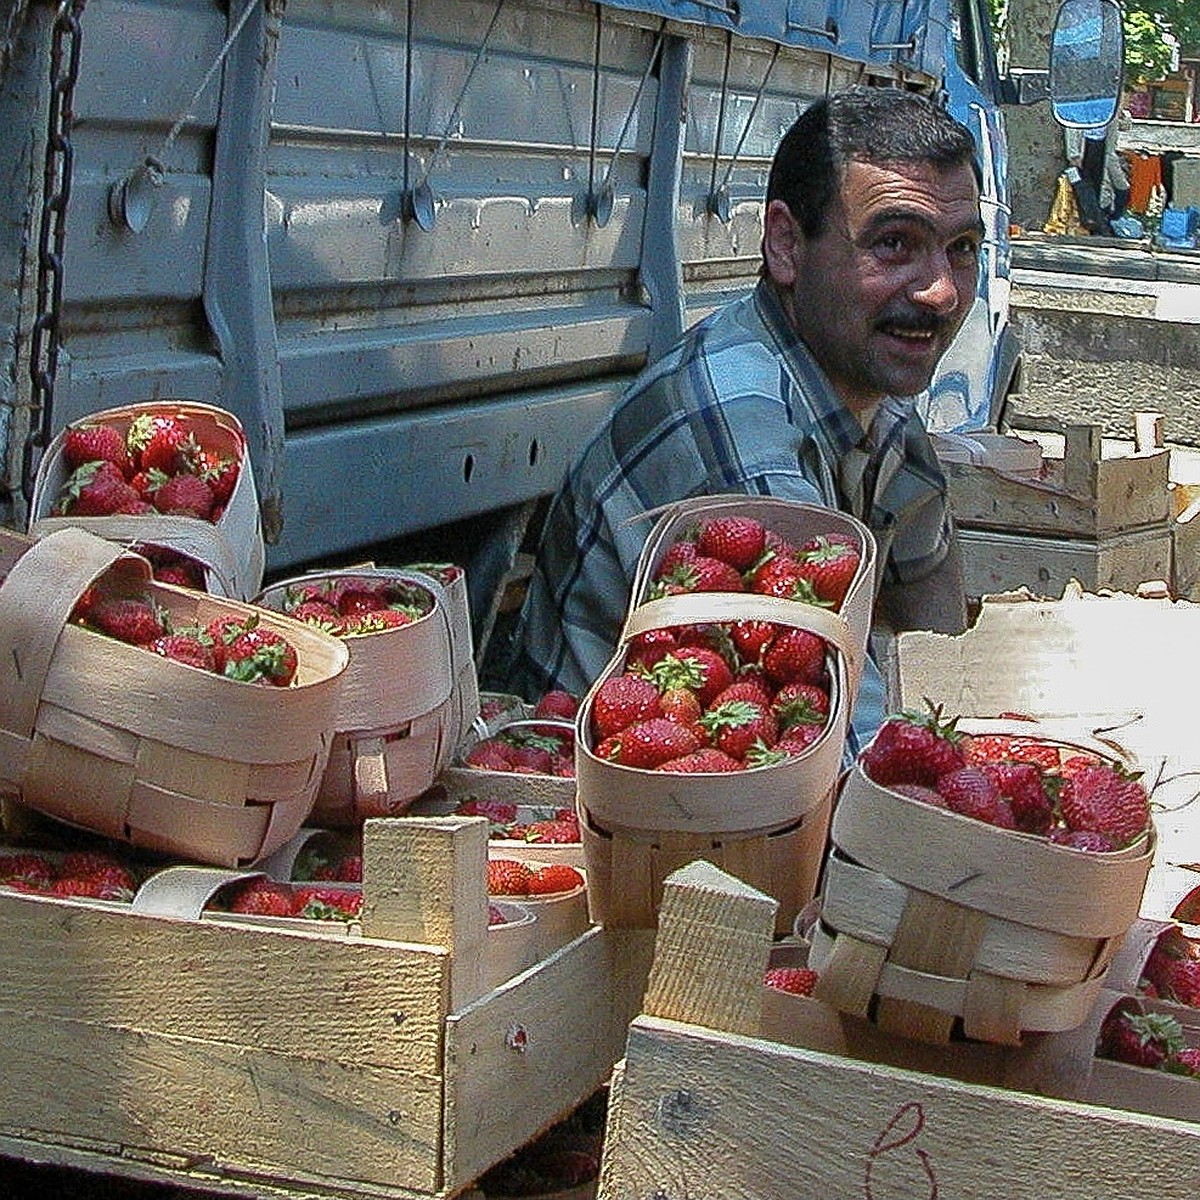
964, 250
893, 243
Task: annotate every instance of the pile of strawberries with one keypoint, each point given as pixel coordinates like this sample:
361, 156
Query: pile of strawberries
508, 877
732, 695
1029, 784
798, 981
264, 897
237, 647
525, 823
157, 465
92, 874
525, 747
352, 606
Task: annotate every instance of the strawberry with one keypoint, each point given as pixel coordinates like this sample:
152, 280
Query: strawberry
186, 648
317, 612
347, 869
702, 574
738, 541
919, 791
261, 897
715, 674
647, 744
184, 495
751, 638
973, 793
555, 877
223, 632
528, 758
1106, 799
1000, 747
1185, 1061
678, 554
507, 877
646, 649
708, 759
783, 576
913, 747
159, 441
797, 739
1026, 790
799, 981
495, 915
681, 704
1140, 1039
98, 489
829, 567
745, 687
800, 704
556, 703
184, 573
318, 903
1083, 839
30, 867
137, 622
559, 831
89, 442
1174, 968
620, 701
220, 472
379, 620
737, 725
105, 877
795, 656
489, 755
261, 655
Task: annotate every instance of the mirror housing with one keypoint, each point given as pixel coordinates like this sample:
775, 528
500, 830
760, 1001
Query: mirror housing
1087, 61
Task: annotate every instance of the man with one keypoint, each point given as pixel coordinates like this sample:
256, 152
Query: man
801, 390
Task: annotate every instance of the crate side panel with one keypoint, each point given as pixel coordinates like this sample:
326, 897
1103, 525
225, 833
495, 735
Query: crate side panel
716, 1114
326, 997
230, 1108
528, 1052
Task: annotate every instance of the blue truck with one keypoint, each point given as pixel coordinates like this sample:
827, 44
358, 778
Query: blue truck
420, 249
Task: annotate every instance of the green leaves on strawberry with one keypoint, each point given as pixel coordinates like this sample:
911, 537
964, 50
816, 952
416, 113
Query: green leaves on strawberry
261, 655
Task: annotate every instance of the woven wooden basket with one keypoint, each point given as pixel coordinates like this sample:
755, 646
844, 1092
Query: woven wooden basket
928, 918
118, 740
767, 826
230, 549
406, 696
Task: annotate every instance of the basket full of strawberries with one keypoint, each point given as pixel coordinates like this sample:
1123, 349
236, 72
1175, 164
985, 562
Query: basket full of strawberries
171, 478
981, 876
171, 719
400, 711
717, 729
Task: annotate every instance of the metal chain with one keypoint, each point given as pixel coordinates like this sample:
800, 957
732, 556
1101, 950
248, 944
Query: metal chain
45, 339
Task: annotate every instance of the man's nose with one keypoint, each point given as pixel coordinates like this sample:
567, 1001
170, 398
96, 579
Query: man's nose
936, 287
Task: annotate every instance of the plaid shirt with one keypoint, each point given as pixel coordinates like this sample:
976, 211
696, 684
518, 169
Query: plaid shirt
738, 406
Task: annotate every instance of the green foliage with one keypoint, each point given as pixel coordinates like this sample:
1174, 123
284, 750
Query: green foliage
1148, 54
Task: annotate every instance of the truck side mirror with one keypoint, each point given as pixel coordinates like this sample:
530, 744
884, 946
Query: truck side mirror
1087, 59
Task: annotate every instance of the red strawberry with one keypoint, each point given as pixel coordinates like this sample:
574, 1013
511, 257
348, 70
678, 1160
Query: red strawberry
380, 620
798, 738
106, 877
317, 612
1174, 969
137, 622
1025, 788
1083, 839
647, 744
620, 701
507, 877
973, 793
261, 897
186, 648
224, 631
556, 703
830, 567
184, 495
681, 704
737, 725
89, 442
220, 473
318, 903
646, 649
1185, 1061
702, 574
801, 704
708, 759
183, 573
489, 755
782, 576
98, 489
800, 981
159, 441
1140, 1039
715, 672
1105, 799
751, 638
677, 554
795, 656
559, 831
913, 747
261, 655
528, 758
745, 687
554, 877
30, 867
347, 869
1000, 747
738, 541
918, 791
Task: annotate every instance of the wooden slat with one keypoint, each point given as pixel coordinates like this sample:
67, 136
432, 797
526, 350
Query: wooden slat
707, 1114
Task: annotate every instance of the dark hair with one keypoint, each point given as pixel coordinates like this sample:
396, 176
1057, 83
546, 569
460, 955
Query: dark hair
864, 124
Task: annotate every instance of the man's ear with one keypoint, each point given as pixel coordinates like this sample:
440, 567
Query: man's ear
781, 241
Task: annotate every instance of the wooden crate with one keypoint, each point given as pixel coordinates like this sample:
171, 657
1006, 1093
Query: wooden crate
720, 1088
240, 1057
1078, 491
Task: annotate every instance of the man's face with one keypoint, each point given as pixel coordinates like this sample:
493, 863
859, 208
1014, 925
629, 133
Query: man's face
879, 294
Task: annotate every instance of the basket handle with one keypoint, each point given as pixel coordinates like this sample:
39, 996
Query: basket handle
36, 601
